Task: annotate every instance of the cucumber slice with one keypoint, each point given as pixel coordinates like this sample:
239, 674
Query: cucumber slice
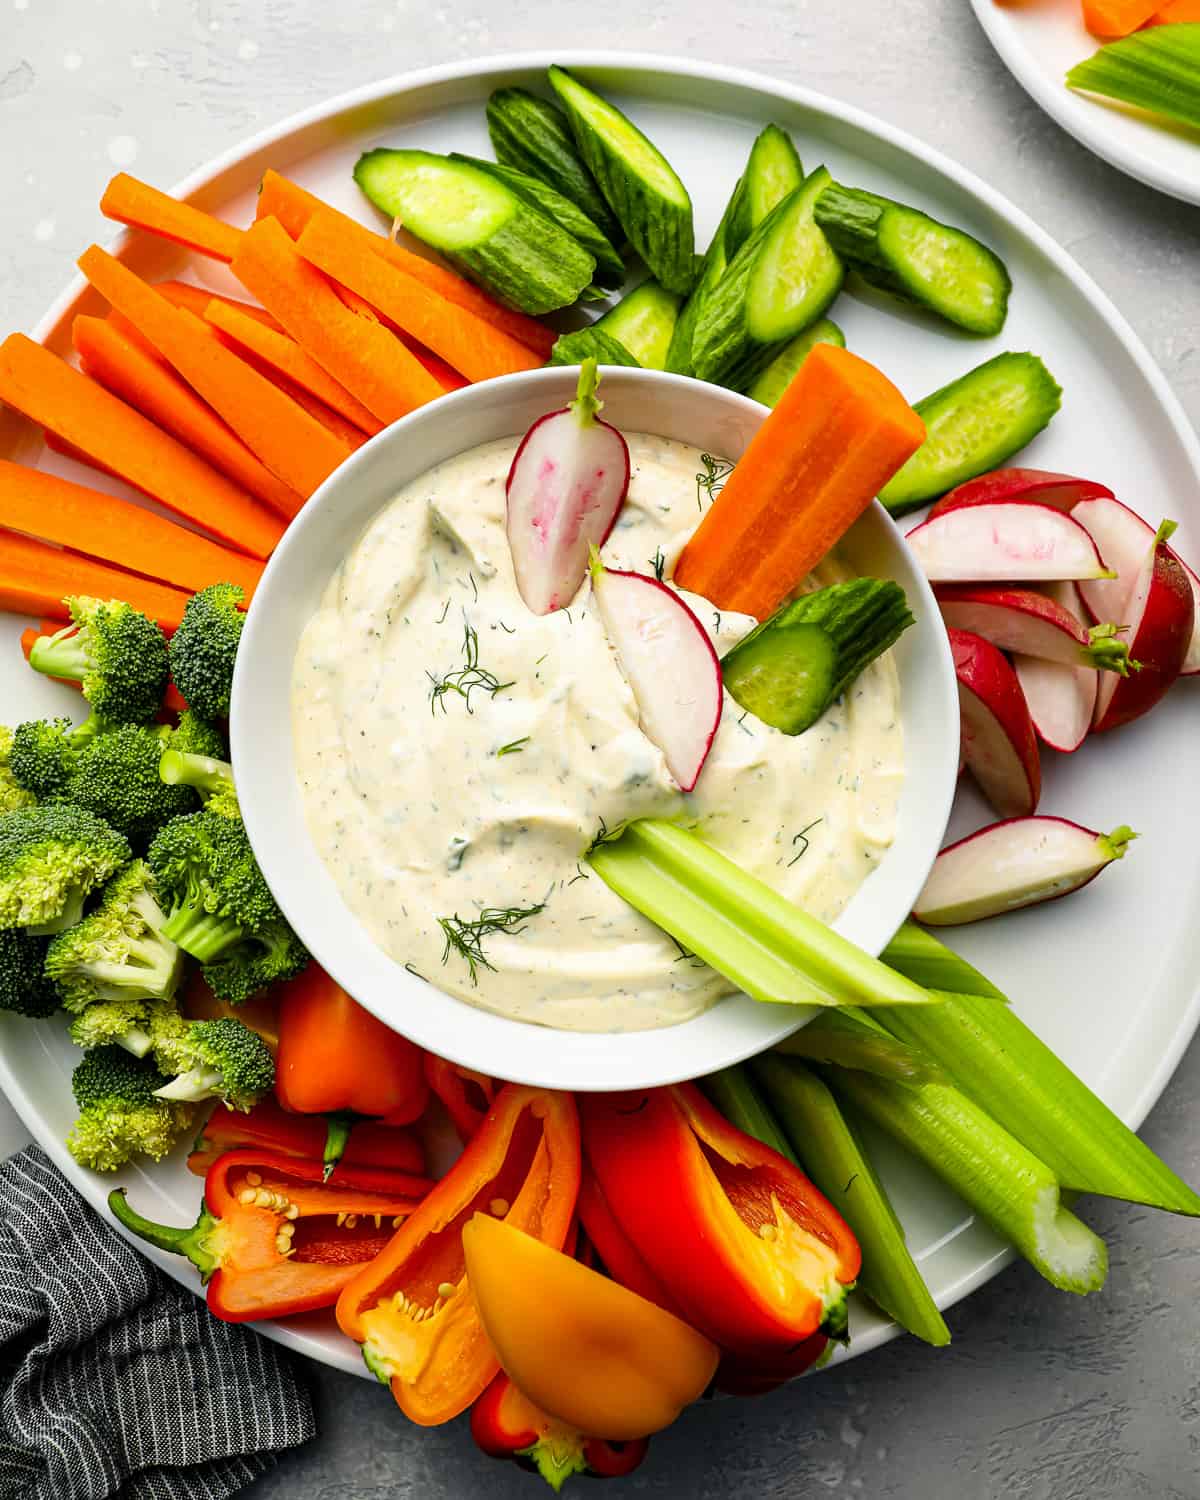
643, 321
772, 172
610, 268
638, 182
917, 259
776, 378
973, 425
490, 233
781, 280
712, 267
590, 343
532, 135
789, 669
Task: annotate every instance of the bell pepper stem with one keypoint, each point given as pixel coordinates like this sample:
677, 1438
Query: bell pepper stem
190, 1240
337, 1136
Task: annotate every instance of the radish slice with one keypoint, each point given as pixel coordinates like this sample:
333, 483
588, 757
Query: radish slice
1060, 699
566, 484
1025, 621
1125, 539
1005, 542
998, 742
1162, 620
668, 661
1014, 864
1062, 491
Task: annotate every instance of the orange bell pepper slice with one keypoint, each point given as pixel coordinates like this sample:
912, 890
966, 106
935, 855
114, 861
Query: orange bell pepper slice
465, 1094
413, 1310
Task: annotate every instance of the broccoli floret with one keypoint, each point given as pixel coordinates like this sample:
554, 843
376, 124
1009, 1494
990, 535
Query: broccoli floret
273, 955
118, 654
117, 778
46, 751
194, 735
211, 778
204, 648
228, 1062
24, 988
119, 1115
12, 793
118, 952
51, 858
168, 1029
119, 1022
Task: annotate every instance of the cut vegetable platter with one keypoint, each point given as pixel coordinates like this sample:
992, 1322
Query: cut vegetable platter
1109, 979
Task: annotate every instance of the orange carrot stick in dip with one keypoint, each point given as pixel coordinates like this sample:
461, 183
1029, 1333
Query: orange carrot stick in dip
836, 436
476, 348
293, 446
117, 531
125, 368
294, 206
35, 578
358, 352
144, 207
121, 441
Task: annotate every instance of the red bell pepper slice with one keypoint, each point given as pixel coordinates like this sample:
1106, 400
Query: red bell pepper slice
411, 1308
273, 1239
465, 1095
616, 1250
506, 1424
269, 1127
752, 1254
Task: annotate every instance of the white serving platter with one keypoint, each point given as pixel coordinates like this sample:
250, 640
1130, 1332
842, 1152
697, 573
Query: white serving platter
1109, 978
1039, 42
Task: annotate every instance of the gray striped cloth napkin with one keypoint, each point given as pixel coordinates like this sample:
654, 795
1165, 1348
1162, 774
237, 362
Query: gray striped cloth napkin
115, 1382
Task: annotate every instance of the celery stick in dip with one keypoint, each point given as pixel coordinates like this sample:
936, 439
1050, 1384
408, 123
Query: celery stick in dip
457, 754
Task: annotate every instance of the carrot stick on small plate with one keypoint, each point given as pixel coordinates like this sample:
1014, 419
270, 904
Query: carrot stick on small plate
36, 578
144, 207
835, 437
118, 439
198, 299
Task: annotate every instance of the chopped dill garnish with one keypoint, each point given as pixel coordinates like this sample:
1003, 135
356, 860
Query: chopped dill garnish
507, 629
803, 840
582, 875
514, 747
441, 619
658, 562
604, 835
415, 972
686, 955
464, 680
712, 481
465, 936
474, 587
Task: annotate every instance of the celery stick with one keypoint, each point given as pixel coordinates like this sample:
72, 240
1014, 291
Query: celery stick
1156, 70
1004, 1183
761, 942
835, 1160
733, 1092
837, 1036
926, 960
994, 1057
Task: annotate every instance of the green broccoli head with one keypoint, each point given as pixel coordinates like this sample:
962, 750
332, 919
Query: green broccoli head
12, 793
204, 648
117, 777
44, 753
207, 872
51, 858
168, 1029
119, 1115
24, 988
194, 735
229, 1062
119, 1022
118, 655
118, 952
272, 955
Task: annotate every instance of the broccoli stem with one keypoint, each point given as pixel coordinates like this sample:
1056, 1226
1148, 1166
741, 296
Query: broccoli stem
207, 775
136, 1041
193, 1086
204, 936
70, 916
191, 1241
61, 654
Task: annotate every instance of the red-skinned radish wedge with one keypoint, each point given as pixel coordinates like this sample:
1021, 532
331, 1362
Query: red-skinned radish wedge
1125, 538
1060, 699
1005, 542
1023, 620
999, 746
1013, 864
669, 663
1162, 619
565, 487
1039, 486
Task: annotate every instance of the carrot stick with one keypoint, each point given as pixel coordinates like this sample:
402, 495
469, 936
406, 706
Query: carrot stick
837, 435
1113, 18
294, 206
293, 446
444, 374
120, 440
35, 579
285, 355
358, 352
117, 531
353, 436
476, 348
123, 367
197, 298
144, 207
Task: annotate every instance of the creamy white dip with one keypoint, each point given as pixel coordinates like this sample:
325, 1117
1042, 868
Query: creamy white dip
419, 816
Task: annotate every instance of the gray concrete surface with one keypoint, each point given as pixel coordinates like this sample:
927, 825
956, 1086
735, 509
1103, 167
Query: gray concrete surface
1042, 1397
